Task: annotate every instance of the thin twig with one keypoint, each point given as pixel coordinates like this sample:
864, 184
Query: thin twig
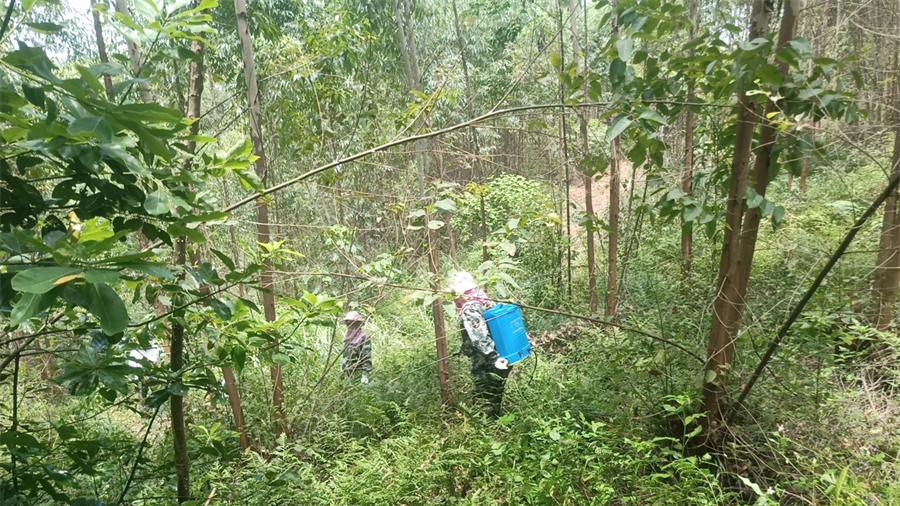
9, 11
137, 459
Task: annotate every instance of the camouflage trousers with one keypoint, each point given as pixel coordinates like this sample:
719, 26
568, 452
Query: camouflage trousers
357, 357
488, 382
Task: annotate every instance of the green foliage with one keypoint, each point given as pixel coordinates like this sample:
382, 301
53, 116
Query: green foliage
522, 223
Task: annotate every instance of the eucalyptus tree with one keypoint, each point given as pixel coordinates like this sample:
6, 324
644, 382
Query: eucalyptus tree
406, 36
262, 207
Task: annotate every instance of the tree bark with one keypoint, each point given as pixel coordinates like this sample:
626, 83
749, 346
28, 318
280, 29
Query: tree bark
262, 208
234, 399
586, 177
767, 137
101, 48
687, 179
726, 316
134, 54
564, 154
887, 270
182, 459
409, 51
612, 300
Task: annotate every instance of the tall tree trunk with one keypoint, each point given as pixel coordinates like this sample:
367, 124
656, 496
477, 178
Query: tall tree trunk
564, 153
134, 54
767, 137
234, 399
470, 97
726, 315
586, 177
182, 459
409, 51
804, 174
687, 179
887, 271
612, 299
262, 208
101, 48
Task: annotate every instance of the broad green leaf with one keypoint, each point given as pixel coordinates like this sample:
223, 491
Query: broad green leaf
93, 124
555, 59
176, 230
150, 113
107, 276
691, 212
802, 46
158, 202
508, 247
777, 215
153, 143
204, 5
34, 94
809, 93
753, 44
710, 376
769, 74
653, 116
52, 111
446, 205
281, 358
200, 138
93, 231
222, 309
49, 28
109, 68
41, 279
131, 163
753, 199
25, 308
435, 224
92, 80
766, 207
238, 358
618, 125
506, 277
617, 71
624, 47
104, 303
156, 399
224, 258
205, 217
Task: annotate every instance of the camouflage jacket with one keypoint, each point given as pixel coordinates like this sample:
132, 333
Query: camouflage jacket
357, 352
477, 341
